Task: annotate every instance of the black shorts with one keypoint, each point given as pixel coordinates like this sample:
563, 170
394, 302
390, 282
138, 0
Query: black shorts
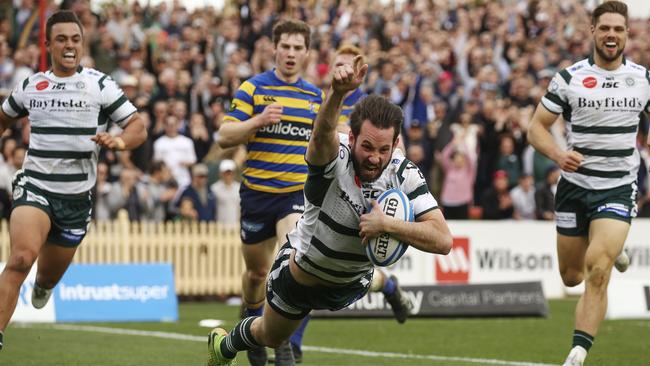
295, 301
576, 207
69, 213
260, 211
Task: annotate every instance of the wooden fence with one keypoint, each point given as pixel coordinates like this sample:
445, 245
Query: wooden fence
206, 257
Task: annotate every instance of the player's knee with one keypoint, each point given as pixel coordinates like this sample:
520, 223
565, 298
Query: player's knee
256, 277
572, 280
597, 276
571, 277
21, 261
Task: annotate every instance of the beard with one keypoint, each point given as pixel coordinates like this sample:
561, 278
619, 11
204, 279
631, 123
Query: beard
360, 169
603, 53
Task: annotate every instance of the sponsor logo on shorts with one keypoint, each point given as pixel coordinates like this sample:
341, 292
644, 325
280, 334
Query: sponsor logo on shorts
566, 220
74, 235
33, 197
253, 227
616, 208
298, 207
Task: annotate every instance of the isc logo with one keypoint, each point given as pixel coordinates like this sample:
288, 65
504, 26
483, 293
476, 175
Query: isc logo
610, 84
455, 266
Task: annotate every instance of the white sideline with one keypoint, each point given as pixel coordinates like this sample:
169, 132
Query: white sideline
187, 337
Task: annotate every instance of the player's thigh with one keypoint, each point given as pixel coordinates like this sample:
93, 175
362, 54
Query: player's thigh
571, 253
276, 326
53, 261
285, 225
28, 229
606, 240
259, 256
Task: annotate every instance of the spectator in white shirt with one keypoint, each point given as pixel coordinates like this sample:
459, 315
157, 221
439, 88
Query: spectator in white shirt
176, 151
523, 198
227, 191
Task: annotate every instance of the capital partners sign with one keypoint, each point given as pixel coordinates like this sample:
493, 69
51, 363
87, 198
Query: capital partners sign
502, 299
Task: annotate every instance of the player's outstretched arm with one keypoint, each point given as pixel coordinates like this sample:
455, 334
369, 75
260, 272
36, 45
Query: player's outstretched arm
324, 141
233, 133
542, 140
133, 135
5, 121
429, 233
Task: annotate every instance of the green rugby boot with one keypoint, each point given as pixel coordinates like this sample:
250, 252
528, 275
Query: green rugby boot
215, 358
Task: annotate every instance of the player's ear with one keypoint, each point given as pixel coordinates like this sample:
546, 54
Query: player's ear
350, 137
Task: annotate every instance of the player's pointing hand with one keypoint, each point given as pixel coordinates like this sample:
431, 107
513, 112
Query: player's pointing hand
349, 77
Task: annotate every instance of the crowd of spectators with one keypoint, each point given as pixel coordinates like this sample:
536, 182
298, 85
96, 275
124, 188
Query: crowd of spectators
468, 75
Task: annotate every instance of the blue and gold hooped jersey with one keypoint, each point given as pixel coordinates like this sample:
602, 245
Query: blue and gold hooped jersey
348, 105
276, 153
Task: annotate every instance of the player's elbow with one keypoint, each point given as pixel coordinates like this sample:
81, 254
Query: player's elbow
142, 135
225, 142
227, 137
136, 131
444, 244
530, 134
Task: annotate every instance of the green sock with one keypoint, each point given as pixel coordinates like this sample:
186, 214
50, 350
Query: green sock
582, 339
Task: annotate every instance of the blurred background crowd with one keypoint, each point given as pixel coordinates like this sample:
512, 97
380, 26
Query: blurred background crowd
468, 75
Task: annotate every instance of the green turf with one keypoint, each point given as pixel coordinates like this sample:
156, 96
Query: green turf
513, 339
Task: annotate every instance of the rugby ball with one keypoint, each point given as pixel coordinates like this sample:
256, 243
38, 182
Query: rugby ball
385, 250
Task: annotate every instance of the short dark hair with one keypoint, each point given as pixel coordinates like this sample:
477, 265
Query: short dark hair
291, 27
62, 16
617, 7
380, 112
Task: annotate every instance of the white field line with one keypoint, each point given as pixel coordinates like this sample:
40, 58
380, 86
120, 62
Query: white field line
362, 353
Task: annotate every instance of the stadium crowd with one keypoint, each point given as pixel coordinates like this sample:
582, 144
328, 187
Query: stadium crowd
468, 77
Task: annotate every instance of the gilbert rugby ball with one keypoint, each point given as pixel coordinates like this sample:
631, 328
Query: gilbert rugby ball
385, 250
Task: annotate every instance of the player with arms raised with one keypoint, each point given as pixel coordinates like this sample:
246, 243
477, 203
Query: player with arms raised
600, 98
69, 108
324, 265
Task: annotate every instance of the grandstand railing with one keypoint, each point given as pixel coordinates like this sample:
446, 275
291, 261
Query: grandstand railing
206, 257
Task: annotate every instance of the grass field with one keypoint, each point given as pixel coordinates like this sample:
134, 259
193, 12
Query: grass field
454, 342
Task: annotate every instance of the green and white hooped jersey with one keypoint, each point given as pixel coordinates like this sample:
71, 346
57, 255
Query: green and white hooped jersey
326, 238
64, 113
602, 111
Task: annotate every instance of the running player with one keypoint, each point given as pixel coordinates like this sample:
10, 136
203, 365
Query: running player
69, 108
600, 98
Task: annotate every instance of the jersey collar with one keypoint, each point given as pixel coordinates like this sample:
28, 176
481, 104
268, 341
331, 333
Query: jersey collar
592, 62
